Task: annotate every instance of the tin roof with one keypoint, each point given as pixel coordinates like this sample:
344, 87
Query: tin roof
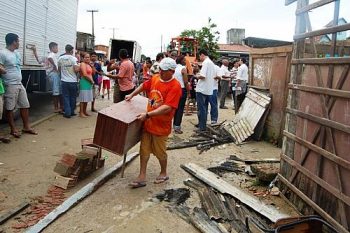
234, 47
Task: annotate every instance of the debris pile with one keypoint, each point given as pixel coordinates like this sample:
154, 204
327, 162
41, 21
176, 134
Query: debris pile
39, 208
72, 168
224, 208
215, 135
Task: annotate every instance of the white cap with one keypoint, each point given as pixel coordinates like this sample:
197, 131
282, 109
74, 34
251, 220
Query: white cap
167, 64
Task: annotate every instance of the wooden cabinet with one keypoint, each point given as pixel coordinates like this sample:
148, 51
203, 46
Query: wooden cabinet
117, 129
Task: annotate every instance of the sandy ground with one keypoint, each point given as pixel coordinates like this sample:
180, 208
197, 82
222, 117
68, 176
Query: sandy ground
27, 171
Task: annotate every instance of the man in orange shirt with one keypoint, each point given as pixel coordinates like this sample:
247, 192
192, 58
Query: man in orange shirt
164, 95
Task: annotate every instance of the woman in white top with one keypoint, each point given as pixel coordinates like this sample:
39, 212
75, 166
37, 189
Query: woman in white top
181, 75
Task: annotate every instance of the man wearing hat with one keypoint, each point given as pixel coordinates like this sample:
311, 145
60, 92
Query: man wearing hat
164, 95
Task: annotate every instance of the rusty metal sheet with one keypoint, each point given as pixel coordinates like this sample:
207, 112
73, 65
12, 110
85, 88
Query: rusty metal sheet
270, 70
117, 129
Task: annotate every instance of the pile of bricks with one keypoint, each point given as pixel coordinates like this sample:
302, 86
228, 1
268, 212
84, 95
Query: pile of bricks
72, 168
40, 207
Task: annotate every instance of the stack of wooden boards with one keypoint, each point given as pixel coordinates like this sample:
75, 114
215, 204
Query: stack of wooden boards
73, 167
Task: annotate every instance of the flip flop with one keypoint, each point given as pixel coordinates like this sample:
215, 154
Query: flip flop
137, 184
16, 134
5, 139
161, 179
29, 131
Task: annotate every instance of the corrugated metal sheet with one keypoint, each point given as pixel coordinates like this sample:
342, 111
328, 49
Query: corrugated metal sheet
249, 115
35, 29
62, 23
117, 129
42, 21
11, 20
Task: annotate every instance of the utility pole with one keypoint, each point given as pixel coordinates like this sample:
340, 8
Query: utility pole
93, 29
114, 29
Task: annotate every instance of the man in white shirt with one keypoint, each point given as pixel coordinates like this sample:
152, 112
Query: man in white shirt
213, 100
204, 88
242, 80
234, 71
52, 74
224, 82
68, 67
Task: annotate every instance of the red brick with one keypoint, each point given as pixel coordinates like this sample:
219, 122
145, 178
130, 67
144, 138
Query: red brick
69, 159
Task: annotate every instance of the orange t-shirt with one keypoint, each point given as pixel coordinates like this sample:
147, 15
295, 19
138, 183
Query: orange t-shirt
145, 72
161, 93
126, 72
188, 66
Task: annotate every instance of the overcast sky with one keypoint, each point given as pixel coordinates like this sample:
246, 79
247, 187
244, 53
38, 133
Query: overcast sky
146, 21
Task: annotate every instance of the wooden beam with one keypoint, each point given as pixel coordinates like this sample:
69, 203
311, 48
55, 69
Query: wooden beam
320, 120
330, 30
328, 155
222, 186
317, 180
313, 205
79, 196
13, 212
322, 61
313, 6
320, 90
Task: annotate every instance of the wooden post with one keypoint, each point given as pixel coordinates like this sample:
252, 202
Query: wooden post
124, 165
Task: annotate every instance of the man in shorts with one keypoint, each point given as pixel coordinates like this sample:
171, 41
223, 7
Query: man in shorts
2, 138
164, 95
15, 93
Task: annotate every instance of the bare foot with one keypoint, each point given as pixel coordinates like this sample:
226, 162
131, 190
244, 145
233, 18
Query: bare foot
82, 115
86, 114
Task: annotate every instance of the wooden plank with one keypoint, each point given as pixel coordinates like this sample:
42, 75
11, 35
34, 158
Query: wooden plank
201, 221
222, 186
13, 212
313, 6
322, 61
317, 180
321, 90
63, 182
79, 196
328, 155
320, 120
330, 30
313, 205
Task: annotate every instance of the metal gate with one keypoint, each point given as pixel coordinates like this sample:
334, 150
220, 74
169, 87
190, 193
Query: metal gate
315, 159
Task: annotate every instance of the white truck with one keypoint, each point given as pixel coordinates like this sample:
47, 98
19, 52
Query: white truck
38, 22
133, 48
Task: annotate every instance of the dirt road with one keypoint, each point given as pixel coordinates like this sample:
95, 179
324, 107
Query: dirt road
27, 171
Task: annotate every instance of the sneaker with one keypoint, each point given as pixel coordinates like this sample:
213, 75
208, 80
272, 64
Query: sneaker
223, 107
213, 122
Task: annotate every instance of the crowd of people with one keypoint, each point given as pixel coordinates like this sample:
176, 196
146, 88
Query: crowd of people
169, 83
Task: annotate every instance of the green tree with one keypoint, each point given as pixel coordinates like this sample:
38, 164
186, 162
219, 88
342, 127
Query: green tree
207, 37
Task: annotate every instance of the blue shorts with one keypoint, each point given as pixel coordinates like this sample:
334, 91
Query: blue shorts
55, 81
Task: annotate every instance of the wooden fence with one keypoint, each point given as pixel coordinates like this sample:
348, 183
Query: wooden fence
315, 166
